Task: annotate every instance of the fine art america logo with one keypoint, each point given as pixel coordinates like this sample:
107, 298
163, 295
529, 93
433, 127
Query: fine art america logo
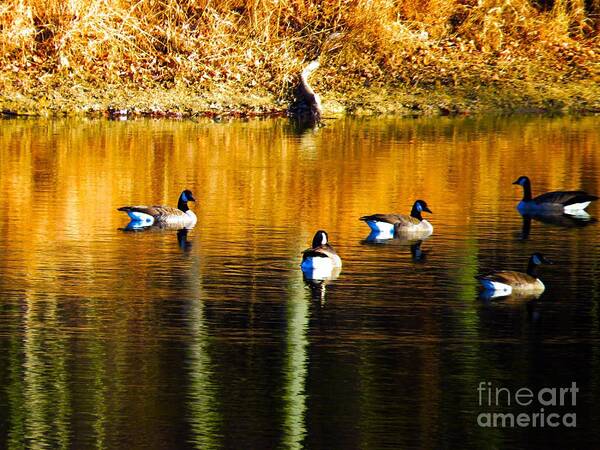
547, 407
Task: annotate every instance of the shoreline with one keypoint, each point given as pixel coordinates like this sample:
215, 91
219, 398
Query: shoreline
244, 59
182, 102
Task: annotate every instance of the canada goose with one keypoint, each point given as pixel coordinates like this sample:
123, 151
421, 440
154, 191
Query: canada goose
400, 224
321, 260
582, 219
167, 216
506, 282
569, 202
318, 285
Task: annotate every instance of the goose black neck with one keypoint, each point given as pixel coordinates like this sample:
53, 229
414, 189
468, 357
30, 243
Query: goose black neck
416, 213
531, 268
182, 205
527, 190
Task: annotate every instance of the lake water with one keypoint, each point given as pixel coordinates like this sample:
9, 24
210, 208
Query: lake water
158, 339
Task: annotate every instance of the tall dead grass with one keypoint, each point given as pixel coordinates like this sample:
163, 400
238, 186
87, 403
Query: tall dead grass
249, 43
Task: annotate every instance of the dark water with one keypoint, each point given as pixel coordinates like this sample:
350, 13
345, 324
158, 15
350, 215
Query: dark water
114, 339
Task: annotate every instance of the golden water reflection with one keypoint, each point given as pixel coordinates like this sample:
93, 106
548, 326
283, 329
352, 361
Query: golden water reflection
111, 337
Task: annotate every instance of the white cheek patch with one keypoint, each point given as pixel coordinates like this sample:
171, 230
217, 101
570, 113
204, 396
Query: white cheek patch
324, 239
536, 260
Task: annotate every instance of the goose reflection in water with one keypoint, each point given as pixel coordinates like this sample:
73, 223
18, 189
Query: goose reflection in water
580, 220
384, 238
182, 233
182, 240
318, 286
502, 312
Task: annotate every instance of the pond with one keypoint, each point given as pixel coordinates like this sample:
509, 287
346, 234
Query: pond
211, 337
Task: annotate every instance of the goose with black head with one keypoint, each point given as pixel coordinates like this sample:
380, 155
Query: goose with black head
181, 216
321, 260
568, 202
507, 282
403, 225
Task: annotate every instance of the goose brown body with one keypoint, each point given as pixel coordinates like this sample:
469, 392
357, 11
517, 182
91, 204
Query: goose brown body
394, 219
519, 281
323, 251
564, 198
163, 214
406, 225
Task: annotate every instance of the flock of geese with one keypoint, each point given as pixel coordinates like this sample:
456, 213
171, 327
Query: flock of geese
321, 261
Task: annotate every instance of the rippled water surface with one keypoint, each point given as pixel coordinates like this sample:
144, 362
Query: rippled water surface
158, 339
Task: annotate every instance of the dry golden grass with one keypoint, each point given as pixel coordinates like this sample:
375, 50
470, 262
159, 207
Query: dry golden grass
85, 48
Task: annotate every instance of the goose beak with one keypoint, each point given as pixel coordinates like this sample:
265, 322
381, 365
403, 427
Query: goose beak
516, 182
191, 199
426, 209
547, 261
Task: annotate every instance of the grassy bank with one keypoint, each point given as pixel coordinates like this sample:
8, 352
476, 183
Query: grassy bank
182, 57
